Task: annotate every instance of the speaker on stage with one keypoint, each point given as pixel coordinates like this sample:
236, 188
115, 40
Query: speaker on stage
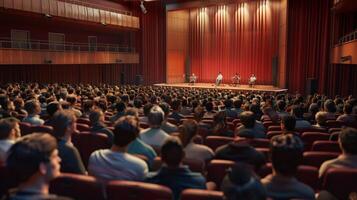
311, 85
275, 66
139, 80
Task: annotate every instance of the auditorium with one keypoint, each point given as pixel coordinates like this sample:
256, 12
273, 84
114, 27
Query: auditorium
178, 99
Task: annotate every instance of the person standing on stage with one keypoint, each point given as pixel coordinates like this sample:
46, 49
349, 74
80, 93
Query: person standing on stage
193, 79
252, 80
236, 79
219, 79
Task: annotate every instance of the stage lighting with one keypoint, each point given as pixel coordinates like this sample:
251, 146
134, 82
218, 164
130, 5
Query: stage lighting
142, 7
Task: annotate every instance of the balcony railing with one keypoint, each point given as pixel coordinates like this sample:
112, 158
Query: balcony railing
7, 43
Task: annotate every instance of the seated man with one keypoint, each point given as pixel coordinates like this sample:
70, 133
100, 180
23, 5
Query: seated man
9, 132
249, 127
116, 163
173, 174
235, 80
286, 155
241, 183
193, 79
252, 80
348, 158
219, 79
35, 162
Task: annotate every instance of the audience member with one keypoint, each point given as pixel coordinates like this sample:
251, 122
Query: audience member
348, 158
249, 129
173, 174
116, 163
286, 155
9, 133
64, 124
167, 126
97, 119
33, 109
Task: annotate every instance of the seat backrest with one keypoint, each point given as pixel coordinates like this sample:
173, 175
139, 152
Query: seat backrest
84, 121
316, 158
41, 129
334, 124
79, 187
87, 143
305, 174
274, 128
83, 127
340, 182
310, 137
216, 141
329, 146
271, 134
131, 190
193, 164
217, 169
259, 143
25, 128
196, 194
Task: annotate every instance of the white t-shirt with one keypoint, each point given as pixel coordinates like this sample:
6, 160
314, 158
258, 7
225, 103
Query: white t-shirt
154, 137
220, 77
107, 165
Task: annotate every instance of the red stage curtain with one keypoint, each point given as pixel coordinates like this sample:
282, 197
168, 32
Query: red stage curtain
308, 43
235, 38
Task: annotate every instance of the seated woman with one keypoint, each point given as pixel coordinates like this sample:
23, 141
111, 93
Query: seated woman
236, 80
193, 79
252, 80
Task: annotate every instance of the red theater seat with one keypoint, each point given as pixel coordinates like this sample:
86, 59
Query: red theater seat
87, 143
316, 158
41, 129
216, 141
340, 182
84, 121
82, 127
195, 194
130, 190
274, 128
79, 187
271, 134
329, 146
334, 124
217, 169
310, 137
25, 128
305, 174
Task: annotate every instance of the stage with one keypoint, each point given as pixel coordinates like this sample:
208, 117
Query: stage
260, 88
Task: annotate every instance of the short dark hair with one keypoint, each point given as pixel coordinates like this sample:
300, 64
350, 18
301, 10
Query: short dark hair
53, 107
289, 122
347, 108
247, 118
30, 106
126, 129
120, 106
172, 152
348, 140
330, 106
61, 121
6, 125
281, 105
297, 111
165, 107
156, 116
95, 115
25, 156
241, 183
286, 153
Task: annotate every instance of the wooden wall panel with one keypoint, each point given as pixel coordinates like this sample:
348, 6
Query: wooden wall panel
53, 7
18, 4
96, 15
75, 11
82, 13
36, 6
2, 3
61, 9
90, 12
26, 5
8, 4
347, 51
68, 10
45, 6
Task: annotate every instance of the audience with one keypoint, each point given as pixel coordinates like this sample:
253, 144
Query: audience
298, 113
167, 126
286, 155
96, 118
116, 163
287, 124
249, 129
348, 158
173, 174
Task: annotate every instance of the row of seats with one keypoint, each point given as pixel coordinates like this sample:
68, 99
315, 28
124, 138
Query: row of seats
82, 187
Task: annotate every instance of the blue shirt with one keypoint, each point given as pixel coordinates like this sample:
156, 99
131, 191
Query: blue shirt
139, 147
177, 179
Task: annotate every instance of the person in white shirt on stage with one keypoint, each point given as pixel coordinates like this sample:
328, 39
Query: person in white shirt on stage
219, 79
236, 79
193, 79
252, 80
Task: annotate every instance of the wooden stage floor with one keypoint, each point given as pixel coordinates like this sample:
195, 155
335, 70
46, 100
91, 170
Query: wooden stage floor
263, 88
